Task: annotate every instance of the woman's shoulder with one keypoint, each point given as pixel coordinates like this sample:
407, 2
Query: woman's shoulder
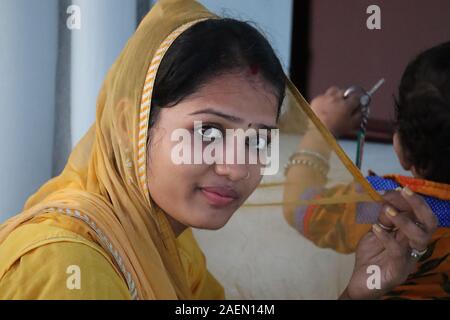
202, 283
52, 262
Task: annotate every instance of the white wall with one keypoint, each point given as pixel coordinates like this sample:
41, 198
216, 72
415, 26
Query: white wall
106, 25
28, 56
28, 37
273, 18
378, 157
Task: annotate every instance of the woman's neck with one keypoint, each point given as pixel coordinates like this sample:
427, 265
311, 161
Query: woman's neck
177, 227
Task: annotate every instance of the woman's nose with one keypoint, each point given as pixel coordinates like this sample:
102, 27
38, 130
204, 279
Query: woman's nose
234, 164
234, 172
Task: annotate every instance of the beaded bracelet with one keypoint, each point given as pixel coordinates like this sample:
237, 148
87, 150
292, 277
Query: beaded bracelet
310, 153
294, 162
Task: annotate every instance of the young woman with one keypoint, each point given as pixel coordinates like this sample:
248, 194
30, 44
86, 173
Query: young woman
422, 144
116, 223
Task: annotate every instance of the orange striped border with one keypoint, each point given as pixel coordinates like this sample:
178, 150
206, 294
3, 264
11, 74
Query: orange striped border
144, 112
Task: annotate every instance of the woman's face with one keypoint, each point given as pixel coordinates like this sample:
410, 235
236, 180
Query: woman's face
206, 195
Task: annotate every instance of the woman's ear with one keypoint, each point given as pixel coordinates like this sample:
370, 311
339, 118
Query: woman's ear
406, 164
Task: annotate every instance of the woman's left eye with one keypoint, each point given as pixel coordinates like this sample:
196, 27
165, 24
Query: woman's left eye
208, 133
258, 142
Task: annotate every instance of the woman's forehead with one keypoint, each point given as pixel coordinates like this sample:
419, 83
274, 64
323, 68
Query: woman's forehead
239, 95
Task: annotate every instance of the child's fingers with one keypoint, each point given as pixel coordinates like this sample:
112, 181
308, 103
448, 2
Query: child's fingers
332, 91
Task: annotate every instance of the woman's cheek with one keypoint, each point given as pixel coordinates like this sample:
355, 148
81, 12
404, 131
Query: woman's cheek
254, 181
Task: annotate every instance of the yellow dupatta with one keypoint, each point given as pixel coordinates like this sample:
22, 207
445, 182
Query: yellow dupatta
104, 182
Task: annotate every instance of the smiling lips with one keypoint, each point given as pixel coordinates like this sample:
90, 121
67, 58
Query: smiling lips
219, 196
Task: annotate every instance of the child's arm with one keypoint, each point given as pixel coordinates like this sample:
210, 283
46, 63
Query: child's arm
332, 226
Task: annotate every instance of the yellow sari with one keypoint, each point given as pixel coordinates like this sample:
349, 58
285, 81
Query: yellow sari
104, 185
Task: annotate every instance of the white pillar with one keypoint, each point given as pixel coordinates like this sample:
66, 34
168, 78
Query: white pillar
28, 42
106, 25
273, 17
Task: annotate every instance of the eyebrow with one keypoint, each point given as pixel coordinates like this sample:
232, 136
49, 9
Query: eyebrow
230, 118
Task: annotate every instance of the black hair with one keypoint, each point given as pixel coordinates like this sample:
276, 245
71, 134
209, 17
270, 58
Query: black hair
423, 113
209, 49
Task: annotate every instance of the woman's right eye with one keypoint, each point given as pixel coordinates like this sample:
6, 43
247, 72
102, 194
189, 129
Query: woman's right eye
208, 133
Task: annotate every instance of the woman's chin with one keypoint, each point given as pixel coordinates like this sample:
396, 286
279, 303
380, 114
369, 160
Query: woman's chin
211, 217
212, 222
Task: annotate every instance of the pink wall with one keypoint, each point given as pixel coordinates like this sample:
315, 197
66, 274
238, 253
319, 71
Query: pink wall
345, 52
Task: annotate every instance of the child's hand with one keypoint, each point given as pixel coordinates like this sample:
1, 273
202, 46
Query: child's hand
339, 115
391, 252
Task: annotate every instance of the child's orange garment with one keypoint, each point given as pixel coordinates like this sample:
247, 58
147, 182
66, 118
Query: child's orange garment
336, 227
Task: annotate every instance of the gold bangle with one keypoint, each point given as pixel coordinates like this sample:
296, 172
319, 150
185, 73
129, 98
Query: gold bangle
310, 153
295, 162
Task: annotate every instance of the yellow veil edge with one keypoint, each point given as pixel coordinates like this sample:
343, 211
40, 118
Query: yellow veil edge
329, 138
